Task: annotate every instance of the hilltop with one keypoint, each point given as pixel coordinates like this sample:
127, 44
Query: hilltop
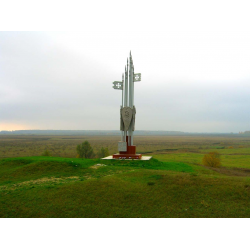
68, 187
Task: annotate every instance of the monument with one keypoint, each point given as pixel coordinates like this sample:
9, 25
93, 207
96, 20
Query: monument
126, 148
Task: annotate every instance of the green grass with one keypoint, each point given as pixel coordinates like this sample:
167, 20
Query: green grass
228, 151
188, 158
236, 161
233, 160
64, 187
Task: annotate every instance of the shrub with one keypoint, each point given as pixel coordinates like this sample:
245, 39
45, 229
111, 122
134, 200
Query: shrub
46, 153
212, 159
103, 152
85, 150
151, 183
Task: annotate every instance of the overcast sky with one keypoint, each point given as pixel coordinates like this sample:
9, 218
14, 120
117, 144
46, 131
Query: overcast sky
194, 57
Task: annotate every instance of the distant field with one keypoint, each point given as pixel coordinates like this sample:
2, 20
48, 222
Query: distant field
65, 146
235, 151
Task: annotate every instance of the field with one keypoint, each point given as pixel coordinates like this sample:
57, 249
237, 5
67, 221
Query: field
173, 184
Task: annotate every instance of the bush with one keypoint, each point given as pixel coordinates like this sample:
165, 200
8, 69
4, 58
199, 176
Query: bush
46, 153
103, 152
212, 159
85, 150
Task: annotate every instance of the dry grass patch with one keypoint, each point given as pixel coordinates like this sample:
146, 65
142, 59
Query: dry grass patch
98, 166
45, 180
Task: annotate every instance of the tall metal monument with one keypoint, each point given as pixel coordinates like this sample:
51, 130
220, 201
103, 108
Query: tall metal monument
127, 112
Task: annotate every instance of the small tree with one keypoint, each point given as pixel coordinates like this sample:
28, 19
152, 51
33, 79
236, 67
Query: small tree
46, 153
85, 150
212, 159
103, 152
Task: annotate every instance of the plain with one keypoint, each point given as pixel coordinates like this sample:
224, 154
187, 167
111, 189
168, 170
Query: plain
173, 184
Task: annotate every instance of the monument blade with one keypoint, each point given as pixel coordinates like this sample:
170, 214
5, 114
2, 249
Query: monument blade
127, 112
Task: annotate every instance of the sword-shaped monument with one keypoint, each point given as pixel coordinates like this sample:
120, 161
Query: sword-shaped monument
127, 112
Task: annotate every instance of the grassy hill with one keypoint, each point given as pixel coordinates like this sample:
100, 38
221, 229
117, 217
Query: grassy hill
67, 187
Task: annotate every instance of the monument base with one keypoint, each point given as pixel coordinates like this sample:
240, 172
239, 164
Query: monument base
127, 156
143, 158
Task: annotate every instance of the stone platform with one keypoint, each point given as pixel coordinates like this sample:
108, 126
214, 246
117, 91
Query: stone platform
143, 158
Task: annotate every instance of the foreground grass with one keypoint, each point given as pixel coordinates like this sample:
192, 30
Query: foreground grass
63, 187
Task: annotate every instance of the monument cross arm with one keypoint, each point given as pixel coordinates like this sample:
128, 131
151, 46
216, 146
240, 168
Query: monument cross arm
118, 85
137, 77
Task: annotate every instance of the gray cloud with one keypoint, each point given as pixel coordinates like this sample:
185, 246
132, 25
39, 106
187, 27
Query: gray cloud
47, 83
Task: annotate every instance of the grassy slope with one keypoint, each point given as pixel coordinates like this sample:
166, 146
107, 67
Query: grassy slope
63, 187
